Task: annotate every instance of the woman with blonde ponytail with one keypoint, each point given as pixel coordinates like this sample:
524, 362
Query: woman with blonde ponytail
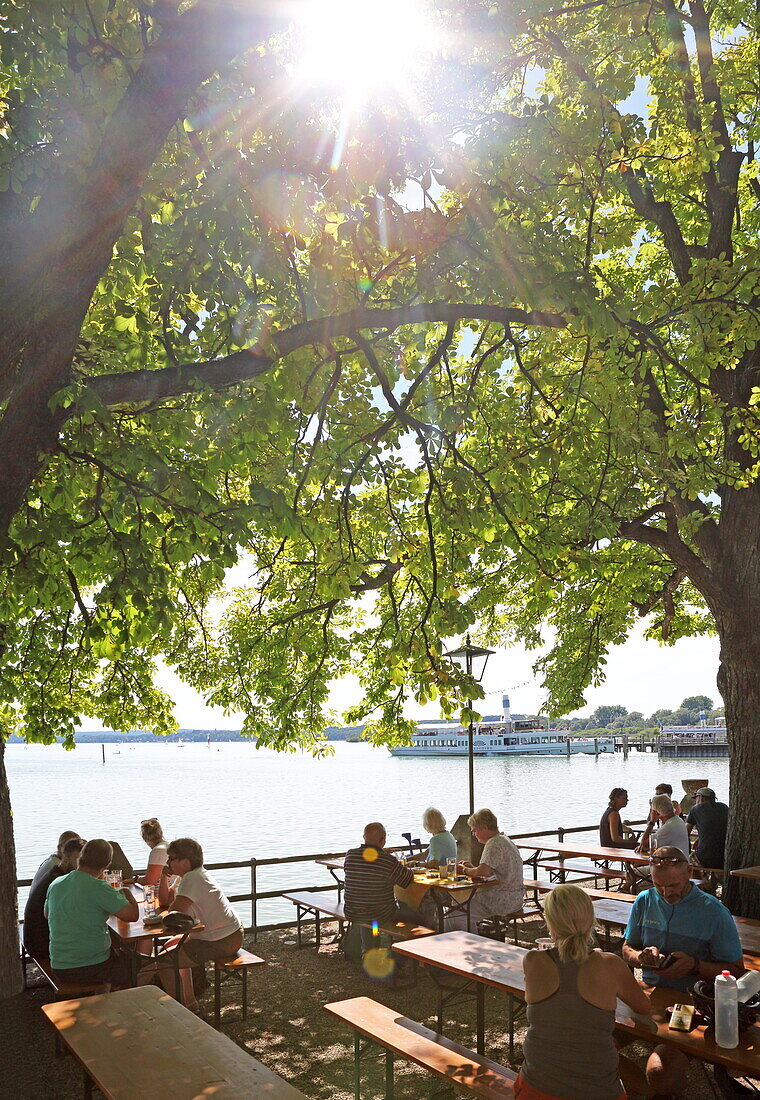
571, 992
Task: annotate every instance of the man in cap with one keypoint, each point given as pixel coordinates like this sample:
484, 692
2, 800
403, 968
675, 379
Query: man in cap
710, 818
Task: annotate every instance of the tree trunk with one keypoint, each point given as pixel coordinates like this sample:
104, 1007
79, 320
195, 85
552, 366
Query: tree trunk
739, 684
10, 969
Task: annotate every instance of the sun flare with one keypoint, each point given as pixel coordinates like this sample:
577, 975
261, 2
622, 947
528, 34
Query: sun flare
361, 49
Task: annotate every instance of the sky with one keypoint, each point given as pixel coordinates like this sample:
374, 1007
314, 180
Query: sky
640, 675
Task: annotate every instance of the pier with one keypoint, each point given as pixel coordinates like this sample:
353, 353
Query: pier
697, 744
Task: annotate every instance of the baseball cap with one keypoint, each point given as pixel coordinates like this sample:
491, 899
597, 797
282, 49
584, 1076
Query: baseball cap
706, 792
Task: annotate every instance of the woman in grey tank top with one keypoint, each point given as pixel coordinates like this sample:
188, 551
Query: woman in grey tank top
571, 992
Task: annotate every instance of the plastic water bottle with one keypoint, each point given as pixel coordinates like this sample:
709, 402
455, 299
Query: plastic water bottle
726, 1011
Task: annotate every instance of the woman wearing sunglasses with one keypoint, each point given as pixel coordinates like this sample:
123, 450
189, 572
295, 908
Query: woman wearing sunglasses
153, 835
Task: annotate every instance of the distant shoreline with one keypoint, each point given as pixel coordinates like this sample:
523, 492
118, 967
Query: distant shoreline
189, 736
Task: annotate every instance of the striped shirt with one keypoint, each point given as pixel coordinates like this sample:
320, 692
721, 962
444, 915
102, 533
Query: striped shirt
370, 874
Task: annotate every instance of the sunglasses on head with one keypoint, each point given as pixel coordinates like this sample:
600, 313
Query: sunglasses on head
149, 821
655, 862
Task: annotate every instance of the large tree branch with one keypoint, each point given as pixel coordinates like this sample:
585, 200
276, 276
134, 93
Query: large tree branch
141, 386
721, 182
659, 212
672, 546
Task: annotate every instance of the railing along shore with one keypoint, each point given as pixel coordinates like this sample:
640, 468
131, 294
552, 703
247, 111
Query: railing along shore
256, 865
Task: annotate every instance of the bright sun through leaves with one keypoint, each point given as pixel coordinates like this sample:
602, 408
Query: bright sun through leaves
363, 49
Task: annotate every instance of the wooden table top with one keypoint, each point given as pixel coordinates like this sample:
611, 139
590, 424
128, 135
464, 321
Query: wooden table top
586, 851
129, 931
698, 1043
500, 965
747, 872
421, 878
141, 1042
470, 956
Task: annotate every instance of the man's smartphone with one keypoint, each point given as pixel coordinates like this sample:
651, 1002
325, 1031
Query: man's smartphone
665, 962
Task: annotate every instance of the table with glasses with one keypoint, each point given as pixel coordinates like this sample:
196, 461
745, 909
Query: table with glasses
451, 894
130, 933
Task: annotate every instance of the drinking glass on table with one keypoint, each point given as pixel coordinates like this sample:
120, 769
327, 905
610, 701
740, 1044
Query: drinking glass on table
442, 871
151, 900
451, 868
118, 879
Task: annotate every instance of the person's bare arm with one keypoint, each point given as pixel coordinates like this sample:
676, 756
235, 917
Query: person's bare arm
628, 989
165, 891
181, 905
131, 911
481, 871
152, 876
644, 956
685, 964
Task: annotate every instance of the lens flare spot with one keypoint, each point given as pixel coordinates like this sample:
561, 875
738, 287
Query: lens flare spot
370, 854
378, 963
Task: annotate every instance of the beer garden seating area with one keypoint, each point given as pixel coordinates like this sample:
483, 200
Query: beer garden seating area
336, 1003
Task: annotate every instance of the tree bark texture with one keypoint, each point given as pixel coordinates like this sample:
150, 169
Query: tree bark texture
739, 684
10, 968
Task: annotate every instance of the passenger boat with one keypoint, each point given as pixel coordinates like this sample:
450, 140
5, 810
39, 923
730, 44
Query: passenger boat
504, 737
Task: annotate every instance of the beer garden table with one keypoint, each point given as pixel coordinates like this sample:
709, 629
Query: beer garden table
449, 895
129, 934
488, 962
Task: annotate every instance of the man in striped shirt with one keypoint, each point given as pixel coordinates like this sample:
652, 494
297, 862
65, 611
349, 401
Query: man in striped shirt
370, 875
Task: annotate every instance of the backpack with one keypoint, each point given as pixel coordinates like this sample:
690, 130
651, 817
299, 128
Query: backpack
351, 943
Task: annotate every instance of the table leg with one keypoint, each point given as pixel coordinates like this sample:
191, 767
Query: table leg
357, 1067
511, 1007
480, 1019
338, 880
389, 1075
298, 923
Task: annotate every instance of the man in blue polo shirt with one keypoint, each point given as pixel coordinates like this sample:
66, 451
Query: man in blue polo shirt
675, 918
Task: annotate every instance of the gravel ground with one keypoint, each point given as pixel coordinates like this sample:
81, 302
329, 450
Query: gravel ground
287, 1029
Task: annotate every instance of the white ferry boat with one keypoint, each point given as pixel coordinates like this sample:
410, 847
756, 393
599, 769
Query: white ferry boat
507, 737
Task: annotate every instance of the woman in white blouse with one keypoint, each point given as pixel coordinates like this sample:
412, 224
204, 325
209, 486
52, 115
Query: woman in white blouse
153, 835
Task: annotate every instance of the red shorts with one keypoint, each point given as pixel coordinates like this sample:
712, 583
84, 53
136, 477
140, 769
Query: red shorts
526, 1091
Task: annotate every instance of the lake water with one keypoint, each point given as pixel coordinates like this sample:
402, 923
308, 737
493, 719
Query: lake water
240, 801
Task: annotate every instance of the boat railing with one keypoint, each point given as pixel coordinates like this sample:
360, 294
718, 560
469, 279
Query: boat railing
258, 868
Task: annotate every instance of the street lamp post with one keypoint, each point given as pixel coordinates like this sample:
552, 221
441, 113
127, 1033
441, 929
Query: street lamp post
473, 660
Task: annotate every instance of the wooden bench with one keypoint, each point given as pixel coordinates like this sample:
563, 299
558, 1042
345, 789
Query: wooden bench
539, 886
236, 966
68, 989
559, 867
400, 1037
527, 912
141, 1042
326, 905
321, 905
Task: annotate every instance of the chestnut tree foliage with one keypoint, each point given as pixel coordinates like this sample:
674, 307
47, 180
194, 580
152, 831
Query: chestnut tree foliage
485, 359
